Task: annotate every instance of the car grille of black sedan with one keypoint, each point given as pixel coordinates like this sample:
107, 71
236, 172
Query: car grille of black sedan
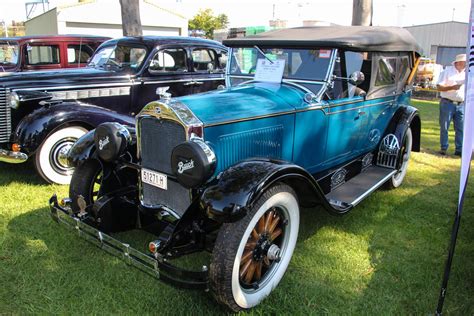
5, 117
157, 140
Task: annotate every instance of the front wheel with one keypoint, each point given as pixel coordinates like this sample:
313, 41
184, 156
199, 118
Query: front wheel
397, 179
51, 162
85, 185
251, 255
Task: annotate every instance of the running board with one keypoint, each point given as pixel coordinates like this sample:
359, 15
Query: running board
358, 188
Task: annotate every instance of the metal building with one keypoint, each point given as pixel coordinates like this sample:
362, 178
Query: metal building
441, 41
103, 17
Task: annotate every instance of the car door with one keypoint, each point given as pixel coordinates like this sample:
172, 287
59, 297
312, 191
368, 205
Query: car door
348, 112
167, 70
208, 66
389, 75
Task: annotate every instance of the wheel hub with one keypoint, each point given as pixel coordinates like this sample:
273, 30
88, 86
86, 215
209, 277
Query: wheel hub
58, 156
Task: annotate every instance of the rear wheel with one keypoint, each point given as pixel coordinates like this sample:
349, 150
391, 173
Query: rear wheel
397, 179
251, 256
50, 160
85, 185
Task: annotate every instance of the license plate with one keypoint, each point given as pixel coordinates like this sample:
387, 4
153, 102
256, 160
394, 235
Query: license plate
155, 179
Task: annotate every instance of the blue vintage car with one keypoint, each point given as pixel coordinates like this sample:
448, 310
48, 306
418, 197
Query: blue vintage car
310, 116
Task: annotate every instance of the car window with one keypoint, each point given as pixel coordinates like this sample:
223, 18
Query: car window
304, 64
169, 60
222, 56
42, 55
8, 53
119, 58
386, 73
78, 53
354, 61
204, 60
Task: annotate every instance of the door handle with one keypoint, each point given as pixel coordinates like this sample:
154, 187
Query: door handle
189, 83
360, 113
198, 83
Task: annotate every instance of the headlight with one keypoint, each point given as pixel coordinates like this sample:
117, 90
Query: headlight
14, 100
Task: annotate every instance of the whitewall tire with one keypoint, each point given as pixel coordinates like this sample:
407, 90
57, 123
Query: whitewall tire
251, 255
50, 160
397, 179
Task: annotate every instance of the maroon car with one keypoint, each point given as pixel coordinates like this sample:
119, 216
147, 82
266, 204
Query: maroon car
46, 52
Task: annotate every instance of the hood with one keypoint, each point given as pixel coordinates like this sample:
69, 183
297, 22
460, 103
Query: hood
56, 77
241, 102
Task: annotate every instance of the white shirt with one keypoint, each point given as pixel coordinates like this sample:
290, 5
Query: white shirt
451, 76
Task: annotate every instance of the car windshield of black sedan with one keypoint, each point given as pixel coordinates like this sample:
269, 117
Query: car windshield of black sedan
8, 53
302, 64
118, 58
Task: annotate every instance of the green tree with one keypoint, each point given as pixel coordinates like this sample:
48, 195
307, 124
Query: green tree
205, 21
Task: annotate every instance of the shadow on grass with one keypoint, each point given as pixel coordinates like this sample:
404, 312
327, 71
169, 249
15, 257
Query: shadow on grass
77, 276
22, 173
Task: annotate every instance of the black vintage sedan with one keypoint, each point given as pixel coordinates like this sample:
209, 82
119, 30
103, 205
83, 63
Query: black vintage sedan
43, 113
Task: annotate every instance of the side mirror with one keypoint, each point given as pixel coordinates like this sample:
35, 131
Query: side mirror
356, 78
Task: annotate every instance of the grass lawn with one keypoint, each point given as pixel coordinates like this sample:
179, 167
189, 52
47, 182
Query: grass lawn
385, 257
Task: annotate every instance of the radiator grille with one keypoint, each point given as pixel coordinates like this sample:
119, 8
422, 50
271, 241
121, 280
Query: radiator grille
263, 142
5, 117
157, 140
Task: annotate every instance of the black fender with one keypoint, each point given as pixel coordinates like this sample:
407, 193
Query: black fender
406, 116
32, 130
84, 149
236, 189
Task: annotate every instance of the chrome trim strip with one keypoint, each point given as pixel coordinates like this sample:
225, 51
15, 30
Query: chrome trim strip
90, 93
250, 118
105, 85
183, 80
373, 188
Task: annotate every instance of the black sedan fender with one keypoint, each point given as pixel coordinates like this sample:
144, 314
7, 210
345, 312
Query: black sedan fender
35, 127
238, 187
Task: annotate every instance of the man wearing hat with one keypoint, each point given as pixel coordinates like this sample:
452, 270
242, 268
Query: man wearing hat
451, 105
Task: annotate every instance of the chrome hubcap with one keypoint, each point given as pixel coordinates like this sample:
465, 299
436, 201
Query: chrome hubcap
58, 156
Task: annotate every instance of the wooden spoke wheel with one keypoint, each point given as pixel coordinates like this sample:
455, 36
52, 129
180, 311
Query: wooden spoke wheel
251, 255
262, 248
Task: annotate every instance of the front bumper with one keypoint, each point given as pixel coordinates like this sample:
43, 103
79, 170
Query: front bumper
12, 156
157, 267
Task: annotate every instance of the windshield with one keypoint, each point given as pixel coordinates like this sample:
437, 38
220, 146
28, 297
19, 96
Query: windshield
8, 53
303, 64
119, 58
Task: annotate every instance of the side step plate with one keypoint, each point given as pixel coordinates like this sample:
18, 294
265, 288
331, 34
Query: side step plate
358, 188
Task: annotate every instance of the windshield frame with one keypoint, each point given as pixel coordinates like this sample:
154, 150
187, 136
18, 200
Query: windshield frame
18, 49
294, 82
110, 67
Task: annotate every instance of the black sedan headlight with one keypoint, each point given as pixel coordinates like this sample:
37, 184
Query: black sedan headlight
14, 100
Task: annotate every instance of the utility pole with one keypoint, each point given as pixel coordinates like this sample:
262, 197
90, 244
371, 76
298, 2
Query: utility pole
362, 11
